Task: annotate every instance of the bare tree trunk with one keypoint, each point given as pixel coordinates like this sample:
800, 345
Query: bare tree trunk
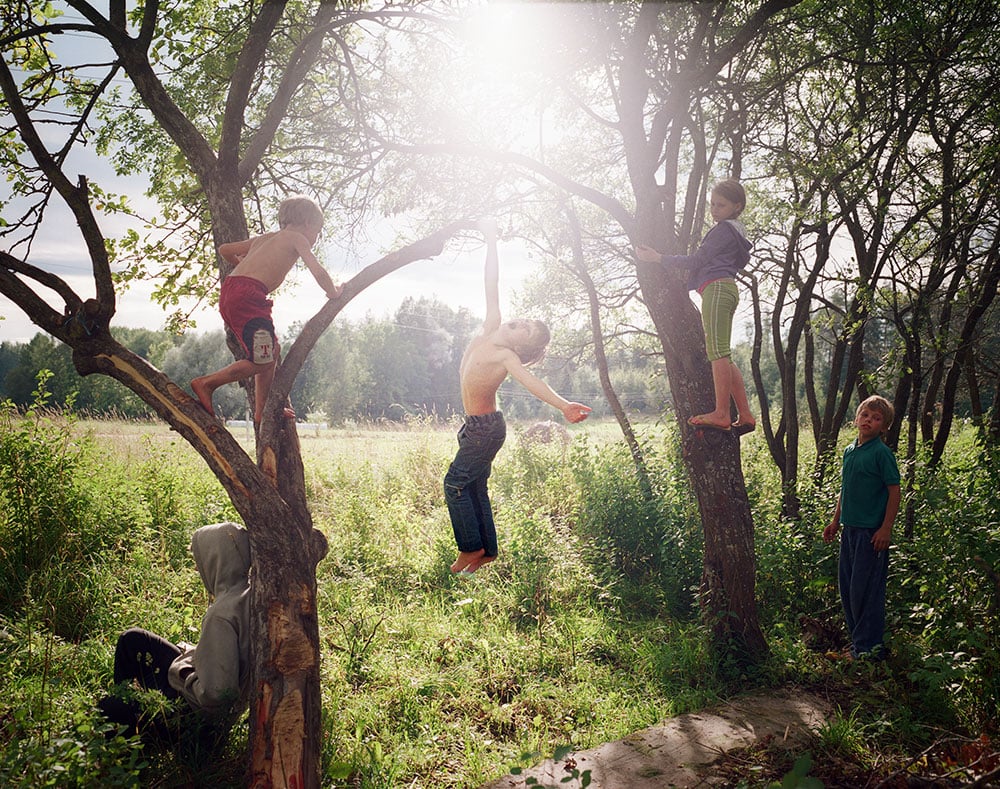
601, 359
712, 459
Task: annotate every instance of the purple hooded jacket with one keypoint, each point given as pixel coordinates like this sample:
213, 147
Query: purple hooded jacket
724, 252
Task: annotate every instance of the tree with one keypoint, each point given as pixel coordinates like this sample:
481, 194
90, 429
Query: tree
643, 123
873, 141
216, 149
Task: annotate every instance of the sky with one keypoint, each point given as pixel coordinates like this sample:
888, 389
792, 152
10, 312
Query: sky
455, 277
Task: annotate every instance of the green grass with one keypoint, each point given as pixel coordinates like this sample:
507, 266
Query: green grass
584, 630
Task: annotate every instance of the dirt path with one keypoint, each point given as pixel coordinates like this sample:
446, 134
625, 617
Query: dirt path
680, 752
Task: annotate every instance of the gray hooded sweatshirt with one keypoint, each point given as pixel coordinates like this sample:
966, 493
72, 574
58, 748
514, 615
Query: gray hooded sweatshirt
213, 675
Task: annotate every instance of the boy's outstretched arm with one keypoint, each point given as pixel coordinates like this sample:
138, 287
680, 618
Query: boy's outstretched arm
572, 412
319, 273
491, 275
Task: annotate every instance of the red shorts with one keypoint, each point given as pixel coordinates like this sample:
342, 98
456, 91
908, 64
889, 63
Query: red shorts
246, 310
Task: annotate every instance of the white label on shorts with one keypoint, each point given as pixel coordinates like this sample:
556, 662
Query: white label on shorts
263, 347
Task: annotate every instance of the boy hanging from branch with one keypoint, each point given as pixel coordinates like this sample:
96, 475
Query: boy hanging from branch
501, 349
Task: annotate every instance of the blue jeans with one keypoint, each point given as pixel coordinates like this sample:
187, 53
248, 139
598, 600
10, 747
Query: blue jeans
863, 573
479, 440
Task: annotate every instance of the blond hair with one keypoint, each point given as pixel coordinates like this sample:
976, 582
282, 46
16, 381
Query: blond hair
534, 350
880, 404
299, 210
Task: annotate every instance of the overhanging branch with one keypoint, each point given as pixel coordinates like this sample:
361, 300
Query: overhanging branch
609, 204
427, 247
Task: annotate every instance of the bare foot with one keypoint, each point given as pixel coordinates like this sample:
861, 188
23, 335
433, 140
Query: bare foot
287, 412
466, 559
204, 394
484, 559
710, 420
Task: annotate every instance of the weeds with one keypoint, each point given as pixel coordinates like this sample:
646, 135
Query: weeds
584, 630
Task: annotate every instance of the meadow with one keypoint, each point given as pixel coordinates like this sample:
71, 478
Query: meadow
584, 630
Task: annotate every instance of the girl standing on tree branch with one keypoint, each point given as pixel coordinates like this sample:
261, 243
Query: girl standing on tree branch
723, 253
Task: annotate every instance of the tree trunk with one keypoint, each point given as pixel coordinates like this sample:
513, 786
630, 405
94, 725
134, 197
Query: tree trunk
601, 359
712, 459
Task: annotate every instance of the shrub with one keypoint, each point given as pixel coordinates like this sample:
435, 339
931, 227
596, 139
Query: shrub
54, 529
84, 754
645, 546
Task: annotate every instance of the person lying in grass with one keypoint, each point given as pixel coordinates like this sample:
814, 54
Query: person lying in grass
212, 676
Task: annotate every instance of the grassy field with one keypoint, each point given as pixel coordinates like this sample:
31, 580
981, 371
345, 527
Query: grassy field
584, 630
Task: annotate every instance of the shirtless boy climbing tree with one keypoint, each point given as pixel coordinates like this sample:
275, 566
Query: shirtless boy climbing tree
260, 265
501, 349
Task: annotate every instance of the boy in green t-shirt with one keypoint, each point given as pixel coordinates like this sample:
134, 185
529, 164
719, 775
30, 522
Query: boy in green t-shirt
866, 508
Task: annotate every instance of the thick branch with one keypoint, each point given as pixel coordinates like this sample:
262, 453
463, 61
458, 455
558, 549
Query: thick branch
747, 33
35, 307
301, 62
427, 247
241, 82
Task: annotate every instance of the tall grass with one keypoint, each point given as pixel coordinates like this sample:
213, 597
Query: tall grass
584, 629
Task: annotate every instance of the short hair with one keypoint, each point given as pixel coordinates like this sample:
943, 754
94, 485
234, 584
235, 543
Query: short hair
534, 350
299, 210
880, 404
732, 190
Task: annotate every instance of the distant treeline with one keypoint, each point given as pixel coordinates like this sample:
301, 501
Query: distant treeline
387, 368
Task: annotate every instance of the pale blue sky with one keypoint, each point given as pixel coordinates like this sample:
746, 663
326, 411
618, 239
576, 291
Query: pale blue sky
455, 277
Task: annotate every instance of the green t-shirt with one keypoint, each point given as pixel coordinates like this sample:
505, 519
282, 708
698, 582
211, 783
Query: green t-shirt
869, 469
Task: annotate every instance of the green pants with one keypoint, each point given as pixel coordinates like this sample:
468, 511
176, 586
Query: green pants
718, 306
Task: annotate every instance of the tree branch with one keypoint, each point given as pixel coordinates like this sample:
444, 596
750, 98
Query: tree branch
75, 196
292, 362
36, 308
609, 204
747, 32
241, 81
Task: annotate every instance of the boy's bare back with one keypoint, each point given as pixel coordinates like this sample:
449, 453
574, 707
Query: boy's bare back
266, 258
